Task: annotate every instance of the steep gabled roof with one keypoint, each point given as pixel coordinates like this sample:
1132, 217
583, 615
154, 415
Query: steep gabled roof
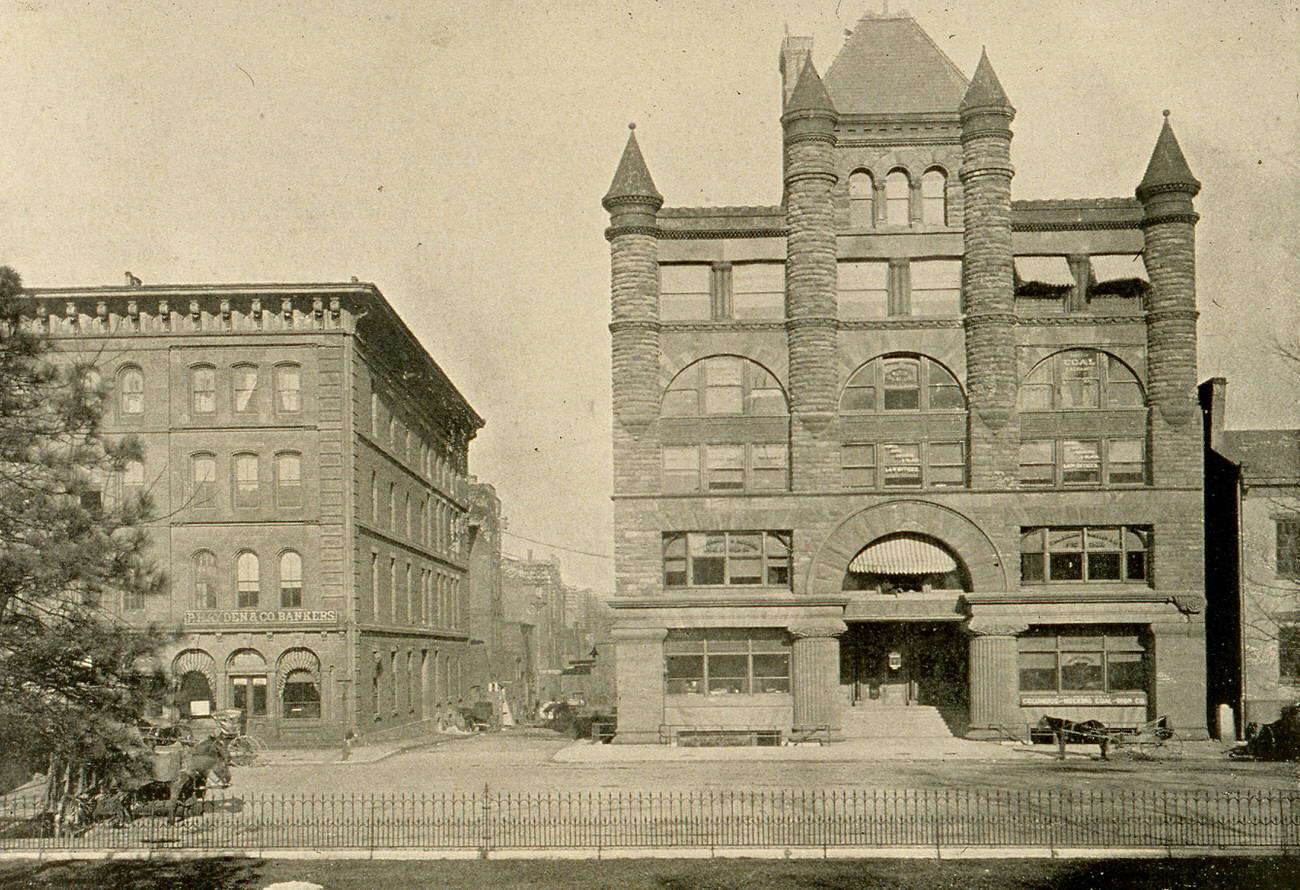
888, 65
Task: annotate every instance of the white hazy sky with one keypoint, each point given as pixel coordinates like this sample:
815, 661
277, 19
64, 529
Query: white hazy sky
455, 154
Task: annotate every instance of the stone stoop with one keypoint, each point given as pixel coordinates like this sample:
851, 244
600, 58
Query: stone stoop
893, 722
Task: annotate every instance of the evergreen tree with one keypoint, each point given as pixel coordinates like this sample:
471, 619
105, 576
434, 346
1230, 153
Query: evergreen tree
73, 677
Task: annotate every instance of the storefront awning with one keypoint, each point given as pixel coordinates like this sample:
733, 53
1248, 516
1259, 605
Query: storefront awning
1115, 267
1046, 269
903, 555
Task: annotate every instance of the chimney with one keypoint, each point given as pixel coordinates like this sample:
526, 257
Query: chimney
1214, 396
794, 53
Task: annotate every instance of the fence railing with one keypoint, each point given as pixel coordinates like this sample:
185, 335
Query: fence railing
491, 820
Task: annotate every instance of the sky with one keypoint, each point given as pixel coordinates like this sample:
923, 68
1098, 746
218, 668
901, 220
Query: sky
455, 155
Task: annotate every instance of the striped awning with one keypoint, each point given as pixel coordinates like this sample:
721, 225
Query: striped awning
903, 555
1114, 267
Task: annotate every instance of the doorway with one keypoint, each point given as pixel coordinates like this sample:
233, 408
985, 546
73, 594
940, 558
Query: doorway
886, 664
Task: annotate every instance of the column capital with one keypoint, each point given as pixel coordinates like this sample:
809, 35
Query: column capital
817, 627
993, 629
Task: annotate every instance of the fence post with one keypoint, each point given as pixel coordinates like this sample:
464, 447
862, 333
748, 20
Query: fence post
487, 826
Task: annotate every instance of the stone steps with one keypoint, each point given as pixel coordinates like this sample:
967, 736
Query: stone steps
874, 721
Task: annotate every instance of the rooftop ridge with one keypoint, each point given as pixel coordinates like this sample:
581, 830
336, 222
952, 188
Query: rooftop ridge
888, 64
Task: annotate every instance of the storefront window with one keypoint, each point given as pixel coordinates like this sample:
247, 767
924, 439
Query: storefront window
1091, 553
703, 559
726, 662
301, 695
1065, 663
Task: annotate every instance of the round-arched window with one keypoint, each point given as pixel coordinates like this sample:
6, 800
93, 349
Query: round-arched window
862, 200
724, 385
901, 383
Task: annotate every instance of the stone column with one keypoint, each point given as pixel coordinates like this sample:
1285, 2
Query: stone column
815, 672
1178, 672
993, 676
639, 675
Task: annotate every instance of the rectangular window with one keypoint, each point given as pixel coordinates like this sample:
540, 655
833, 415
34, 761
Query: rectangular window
1125, 462
726, 662
392, 588
901, 465
769, 466
724, 467
1288, 654
945, 465
681, 468
203, 390
758, 291
1288, 547
936, 288
1111, 662
1080, 461
1038, 463
858, 466
863, 289
707, 559
132, 600
288, 480
288, 386
247, 495
1094, 553
244, 388
684, 292
203, 477
374, 585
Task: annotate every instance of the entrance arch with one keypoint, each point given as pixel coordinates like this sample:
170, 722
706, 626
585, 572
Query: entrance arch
966, 540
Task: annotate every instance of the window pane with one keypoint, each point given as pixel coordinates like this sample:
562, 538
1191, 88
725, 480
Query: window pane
945, 453
767, 401
1037, 464
1067, 566
758, 290
1125, 463
859, 398
745, 570
1288, 547
724, 400
723, 371
675, 572
1081, 461
203, 385
1037, 671
729, 667
1079, 379
245, 387
897, 196
902, 465
1103, 566
1036, 397
1124, 672
1123, 389
771, 665
1288, 651
1031, 568
685, 307
902, 385
1135, 566
778, 571
1103, 539
1081, 671
287, 384
681, 403
684, 667
708, 570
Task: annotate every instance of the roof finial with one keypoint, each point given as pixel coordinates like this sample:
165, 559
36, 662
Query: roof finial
632, 126
1165, 112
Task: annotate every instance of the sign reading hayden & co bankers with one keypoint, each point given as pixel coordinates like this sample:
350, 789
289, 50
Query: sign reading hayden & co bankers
261, 617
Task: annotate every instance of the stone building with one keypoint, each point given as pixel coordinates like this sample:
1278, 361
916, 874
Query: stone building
307, 459
533, 595
899, 448
1252, 495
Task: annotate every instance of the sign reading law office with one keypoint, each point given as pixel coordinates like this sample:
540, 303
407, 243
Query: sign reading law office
261, 617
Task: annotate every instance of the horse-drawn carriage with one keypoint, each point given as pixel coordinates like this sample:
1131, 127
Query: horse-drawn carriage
1150, 740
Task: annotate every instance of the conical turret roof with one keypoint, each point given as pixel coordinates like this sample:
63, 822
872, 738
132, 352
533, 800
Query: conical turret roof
632, 179
809, 92
1168, 166
889, 65
985, 88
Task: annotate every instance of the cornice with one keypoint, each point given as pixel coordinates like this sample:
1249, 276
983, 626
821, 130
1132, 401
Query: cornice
1190, 217
899, 324
680, 601
719, 327
901, 140
614, 231
702, 234
1086, 226
1154, 315
1069, 320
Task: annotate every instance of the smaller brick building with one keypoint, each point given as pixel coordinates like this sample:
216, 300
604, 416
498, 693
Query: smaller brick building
307, 459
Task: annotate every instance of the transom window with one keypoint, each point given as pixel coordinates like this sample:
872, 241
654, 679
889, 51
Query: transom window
704, 559
752, 467
737, 661
1090, 553
1100, 662
244, 387
901, 383
1080, 378
131, 385
904, 465
724, 385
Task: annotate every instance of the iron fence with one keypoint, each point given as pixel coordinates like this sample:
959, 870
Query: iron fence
490, 820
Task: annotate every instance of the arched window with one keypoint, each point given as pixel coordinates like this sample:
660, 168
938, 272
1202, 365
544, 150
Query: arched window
1085, 380
724, 435
906, 562
203, 389
288, 389
130, 383
194, 688
204, 564
203, 477
862, 200
246, 669
931, 453
243, 387
288, 479
898, 199
247, 580
934, 198
301, 696
290, 580
902, 383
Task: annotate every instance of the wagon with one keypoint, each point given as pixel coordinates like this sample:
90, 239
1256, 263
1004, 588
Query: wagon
1150, 740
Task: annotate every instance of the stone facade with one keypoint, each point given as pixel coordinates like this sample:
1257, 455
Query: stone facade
307, 461
946, 461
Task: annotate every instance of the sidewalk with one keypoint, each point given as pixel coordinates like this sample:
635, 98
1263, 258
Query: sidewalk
363, 752
857, 750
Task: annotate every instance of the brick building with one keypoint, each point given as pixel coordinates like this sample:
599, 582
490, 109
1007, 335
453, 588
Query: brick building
899, 443
307, 459
1252, 495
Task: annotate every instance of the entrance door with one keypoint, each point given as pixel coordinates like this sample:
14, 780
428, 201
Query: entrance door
903, 663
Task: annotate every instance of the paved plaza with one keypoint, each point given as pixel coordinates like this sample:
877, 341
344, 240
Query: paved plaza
532, 761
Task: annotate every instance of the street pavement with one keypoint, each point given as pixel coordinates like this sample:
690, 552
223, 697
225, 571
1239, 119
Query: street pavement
539, 762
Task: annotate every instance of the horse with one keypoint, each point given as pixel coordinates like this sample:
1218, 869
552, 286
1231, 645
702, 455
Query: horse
208, 756
1087, 731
